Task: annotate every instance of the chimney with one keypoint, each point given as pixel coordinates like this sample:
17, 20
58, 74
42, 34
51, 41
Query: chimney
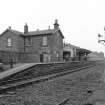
49, 27
56, 25
26, 29
9, 27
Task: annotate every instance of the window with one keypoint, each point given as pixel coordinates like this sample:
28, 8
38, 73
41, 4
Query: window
28, 41
44, 41
9, 42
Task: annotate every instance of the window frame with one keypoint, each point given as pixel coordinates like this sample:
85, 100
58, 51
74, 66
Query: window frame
28, 41
44, 40
9, 42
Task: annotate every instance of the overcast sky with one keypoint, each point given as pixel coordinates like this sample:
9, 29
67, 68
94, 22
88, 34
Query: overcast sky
80, 20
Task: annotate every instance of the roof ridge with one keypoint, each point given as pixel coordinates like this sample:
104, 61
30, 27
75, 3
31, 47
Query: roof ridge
42, 30
15, 30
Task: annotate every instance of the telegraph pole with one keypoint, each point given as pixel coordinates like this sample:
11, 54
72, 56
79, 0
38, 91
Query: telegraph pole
101, 39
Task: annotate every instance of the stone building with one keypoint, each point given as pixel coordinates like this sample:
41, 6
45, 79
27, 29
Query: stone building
73, 53
32, 46
69, 51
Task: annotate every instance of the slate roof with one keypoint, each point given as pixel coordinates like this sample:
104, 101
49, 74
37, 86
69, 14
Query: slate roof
76, 47
84, 50
11, 30
71, 46
34, 33
16, 32
42, 32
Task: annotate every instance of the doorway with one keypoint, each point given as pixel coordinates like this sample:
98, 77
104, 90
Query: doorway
44, 57
41, 57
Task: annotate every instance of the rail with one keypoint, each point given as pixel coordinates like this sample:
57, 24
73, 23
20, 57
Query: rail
42, 70
19, 84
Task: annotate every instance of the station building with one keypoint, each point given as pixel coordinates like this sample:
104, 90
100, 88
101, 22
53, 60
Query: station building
32, 46
74, 53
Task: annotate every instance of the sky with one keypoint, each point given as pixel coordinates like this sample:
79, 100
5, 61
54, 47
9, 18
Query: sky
80, 20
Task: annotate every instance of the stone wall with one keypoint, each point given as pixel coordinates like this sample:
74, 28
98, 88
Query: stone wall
31, 52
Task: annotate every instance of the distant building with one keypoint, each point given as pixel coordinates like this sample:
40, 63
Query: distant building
71, 52
95, 56
32, 46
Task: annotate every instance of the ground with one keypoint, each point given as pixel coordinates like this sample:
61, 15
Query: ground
77, 87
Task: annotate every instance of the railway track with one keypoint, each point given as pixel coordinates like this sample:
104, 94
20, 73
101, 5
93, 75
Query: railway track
8, 85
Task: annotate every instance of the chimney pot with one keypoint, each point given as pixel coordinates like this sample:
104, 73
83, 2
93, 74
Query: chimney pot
56, 25
48, 27
25, 28
56, 21
9, 27
37, 30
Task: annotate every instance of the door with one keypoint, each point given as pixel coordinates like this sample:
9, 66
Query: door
41, 57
